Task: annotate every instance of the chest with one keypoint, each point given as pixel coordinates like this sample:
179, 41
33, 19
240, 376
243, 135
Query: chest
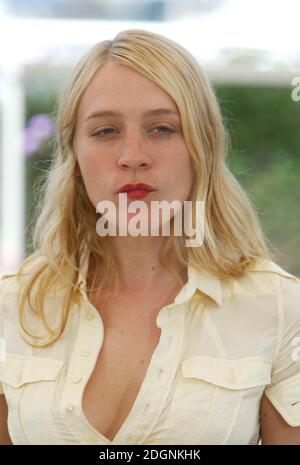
130, 338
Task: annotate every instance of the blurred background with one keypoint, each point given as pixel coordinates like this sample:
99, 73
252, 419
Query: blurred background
249, 49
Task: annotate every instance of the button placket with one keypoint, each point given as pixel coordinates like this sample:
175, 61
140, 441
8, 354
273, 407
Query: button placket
76, 378
231, 378
85, 352
69, 408
155, 387
89, 315
79, 370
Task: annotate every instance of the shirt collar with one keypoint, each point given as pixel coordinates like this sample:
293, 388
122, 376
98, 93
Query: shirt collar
197, 279
202, 281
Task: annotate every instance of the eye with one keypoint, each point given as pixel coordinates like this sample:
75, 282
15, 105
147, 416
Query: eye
108, 131
101, 132
165, 128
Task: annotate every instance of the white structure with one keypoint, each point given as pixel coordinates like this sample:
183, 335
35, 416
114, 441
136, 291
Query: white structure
12, 164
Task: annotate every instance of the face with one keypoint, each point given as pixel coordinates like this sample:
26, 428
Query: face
137, 138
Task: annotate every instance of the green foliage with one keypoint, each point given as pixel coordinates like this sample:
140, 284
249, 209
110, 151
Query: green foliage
265, 158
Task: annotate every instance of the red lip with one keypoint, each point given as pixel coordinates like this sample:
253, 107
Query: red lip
134, 187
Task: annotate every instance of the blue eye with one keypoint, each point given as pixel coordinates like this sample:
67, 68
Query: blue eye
99, 133
164, 127
103, 132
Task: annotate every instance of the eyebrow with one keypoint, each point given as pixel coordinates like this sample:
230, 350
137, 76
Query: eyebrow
154, 112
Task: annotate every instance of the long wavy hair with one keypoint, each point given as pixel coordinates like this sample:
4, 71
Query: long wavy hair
65, 220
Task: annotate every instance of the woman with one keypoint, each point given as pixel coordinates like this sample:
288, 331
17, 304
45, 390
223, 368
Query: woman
140, 339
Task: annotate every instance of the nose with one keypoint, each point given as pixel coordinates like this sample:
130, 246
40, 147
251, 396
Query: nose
134, 154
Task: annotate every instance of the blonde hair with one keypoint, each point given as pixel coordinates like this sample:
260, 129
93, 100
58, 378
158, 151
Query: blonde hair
65, 226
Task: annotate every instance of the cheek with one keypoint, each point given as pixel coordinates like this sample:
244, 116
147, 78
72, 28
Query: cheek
96, 177
183, 174
94, 167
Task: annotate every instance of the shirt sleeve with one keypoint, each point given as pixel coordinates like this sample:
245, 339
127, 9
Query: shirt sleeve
284, 390
1, 342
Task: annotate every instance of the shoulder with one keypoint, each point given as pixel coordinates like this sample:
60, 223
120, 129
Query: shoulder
270, 274
10, 290
16, 319
265, 285
285, 285
9, 294
270, 267
16, 282
9, 282
6, 281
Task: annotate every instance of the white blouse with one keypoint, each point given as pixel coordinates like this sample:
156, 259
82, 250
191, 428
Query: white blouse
223, 344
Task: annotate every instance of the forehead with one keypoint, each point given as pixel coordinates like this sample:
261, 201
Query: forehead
120, 87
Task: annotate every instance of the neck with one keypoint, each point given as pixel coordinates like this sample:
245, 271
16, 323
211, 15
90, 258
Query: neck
139, 263
140, 267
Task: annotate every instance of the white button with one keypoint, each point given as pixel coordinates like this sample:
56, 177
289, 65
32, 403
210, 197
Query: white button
76, 378
160, 372
69, 408
89, 315
230, 376
85, 352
